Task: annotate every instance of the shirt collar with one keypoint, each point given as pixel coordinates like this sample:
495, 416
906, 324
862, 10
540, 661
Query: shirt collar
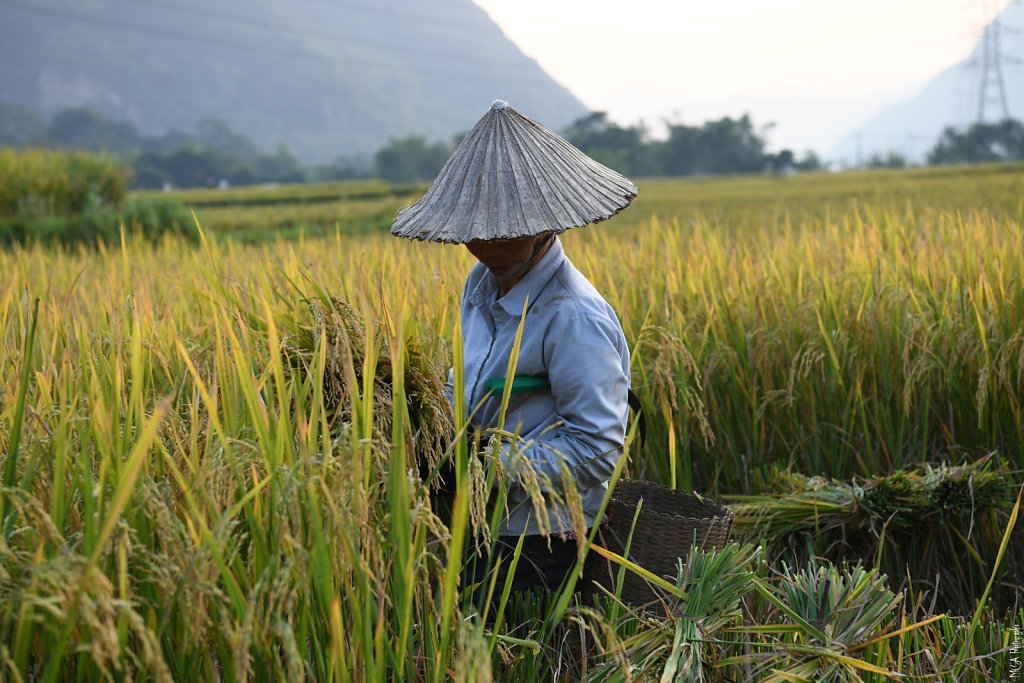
534, 280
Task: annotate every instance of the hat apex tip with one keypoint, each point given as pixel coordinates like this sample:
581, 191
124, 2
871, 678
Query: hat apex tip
499, 104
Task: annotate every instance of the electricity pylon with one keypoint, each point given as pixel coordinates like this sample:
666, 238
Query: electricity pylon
993, 88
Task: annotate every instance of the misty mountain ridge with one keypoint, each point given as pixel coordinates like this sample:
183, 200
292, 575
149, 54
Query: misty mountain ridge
326, 80
912, 127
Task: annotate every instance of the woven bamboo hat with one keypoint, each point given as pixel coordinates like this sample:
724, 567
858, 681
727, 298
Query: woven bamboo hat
512, 177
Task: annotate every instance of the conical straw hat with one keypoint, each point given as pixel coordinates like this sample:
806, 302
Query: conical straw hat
512, 177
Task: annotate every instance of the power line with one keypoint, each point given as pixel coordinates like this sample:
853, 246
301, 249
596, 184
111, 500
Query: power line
240, 45
405, 16
993, 87
301, 30
151, 30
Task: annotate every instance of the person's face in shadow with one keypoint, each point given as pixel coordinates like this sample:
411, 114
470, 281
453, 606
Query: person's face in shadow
510, 260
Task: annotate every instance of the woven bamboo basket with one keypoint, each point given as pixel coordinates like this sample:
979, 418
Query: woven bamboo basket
669, 523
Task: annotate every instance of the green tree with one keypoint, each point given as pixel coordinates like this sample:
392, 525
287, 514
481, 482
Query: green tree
343, 168
728, 146
195, 166
281, 167
84, 128
626, 150
981, 142
410, 159
783, 162
724, 146
890, 160
215, 134
809, 162
679, 154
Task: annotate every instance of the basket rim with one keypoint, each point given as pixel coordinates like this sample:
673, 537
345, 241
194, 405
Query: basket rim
716, 511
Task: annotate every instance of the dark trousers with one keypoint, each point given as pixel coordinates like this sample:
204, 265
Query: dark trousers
538, 565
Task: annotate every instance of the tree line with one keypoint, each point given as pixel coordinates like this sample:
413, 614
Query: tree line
724, 146
207, 155
211, 153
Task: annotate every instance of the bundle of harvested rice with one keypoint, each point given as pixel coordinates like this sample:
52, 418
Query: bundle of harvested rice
429, 427
903, 499
942, 519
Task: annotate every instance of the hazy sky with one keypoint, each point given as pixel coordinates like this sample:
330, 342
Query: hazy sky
815, 68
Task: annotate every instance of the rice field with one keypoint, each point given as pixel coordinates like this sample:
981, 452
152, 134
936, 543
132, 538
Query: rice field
207, 447
316, 209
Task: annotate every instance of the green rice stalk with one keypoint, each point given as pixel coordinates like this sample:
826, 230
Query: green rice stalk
10, 466
995, 571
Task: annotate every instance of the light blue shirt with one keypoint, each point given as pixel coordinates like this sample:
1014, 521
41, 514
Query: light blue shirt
572, 337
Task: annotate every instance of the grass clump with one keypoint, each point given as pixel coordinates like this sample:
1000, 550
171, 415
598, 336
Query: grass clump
73, 197
41, 182
737, 617
827, 616
139, 219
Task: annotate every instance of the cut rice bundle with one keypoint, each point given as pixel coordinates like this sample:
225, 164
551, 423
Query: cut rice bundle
348, 338
945, 521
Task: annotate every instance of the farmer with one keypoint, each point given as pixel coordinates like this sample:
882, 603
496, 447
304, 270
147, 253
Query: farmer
506, 192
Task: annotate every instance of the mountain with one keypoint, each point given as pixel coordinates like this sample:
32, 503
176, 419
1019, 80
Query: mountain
326, 78
951, 98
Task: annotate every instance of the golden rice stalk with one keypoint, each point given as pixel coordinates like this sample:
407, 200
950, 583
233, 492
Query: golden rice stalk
48, 592
430, 425
473, 661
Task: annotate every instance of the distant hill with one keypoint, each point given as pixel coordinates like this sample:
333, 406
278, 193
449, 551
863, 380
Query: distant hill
913, 126
326, 78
